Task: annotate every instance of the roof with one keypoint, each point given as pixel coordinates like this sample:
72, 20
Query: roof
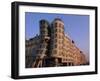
57, 19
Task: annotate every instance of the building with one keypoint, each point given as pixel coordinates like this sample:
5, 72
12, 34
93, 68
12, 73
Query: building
52, 47
30, 51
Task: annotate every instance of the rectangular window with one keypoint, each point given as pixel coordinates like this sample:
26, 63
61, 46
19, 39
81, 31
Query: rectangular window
55, 35
55, 51
55, 24
56, 46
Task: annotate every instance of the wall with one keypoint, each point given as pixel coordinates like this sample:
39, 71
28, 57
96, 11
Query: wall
5, 40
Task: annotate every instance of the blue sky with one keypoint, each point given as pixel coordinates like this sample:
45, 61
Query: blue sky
76, 26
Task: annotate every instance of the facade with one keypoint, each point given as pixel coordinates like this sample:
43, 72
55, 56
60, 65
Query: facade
52, 47
30, 51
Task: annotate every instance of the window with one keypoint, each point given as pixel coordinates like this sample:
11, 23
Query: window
55, 35
55, 51
60, 36
72, 41
60, 42
56, 24
56, 46
60, 47
80, 51
60, 25
69, 64
42, 22
56, 40
60, 30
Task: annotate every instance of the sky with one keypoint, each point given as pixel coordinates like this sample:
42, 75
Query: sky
76, 27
